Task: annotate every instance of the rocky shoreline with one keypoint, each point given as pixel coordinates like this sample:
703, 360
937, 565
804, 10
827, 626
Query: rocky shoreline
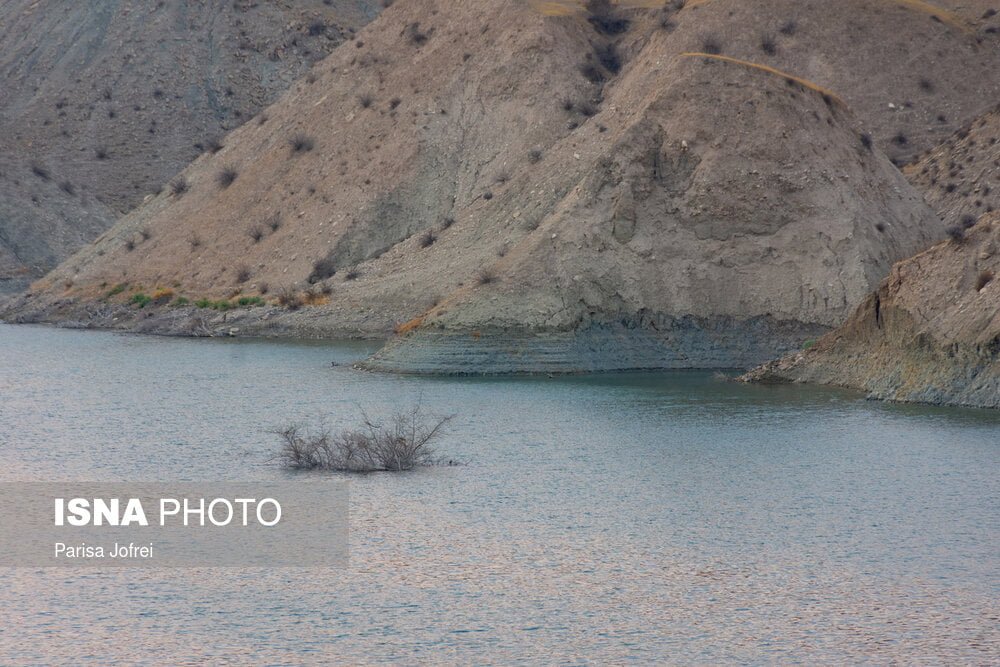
929, 334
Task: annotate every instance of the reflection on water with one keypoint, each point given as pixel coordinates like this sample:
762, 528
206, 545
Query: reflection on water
651, 518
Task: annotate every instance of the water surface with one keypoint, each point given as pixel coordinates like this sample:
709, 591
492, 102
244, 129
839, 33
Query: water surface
640, 518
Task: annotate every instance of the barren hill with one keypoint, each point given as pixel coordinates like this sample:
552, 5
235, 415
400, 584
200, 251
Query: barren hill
930, 333
961, 178
522, 191
110, 99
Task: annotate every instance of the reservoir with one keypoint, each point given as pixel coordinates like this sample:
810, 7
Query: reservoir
594, 519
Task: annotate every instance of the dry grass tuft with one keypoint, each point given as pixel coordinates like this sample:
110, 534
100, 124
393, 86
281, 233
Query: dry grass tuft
407, 327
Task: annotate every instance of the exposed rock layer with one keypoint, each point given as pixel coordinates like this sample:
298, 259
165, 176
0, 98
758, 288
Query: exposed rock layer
929, 334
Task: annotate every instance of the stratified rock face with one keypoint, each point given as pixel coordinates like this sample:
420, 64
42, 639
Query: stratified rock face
960, 178
485, 172
110, 99
929, 334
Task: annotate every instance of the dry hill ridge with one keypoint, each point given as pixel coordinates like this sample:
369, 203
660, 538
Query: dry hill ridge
615, 188
103, 102
929, 334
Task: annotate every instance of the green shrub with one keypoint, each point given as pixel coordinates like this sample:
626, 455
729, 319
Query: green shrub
118, 289
140, 299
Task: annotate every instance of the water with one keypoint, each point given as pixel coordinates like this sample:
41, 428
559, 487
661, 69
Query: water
609, 519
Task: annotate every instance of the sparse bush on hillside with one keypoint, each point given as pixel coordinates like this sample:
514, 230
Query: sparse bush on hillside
289, 298
447, 222
710, 44
40, 171
226, 177
243, 273
316, 27
568, 104
415, 34
926, 85
587, 109
866, 140
608, 56
602, 15
179, 186
365, 100
394, 102
427, 239
274, 221
352, 274
401, 442
485, 277
956, 233
195, 241
130, 245
487, 195
214, 146
591, 73
101, 153
322, 269
301, 143
67, 187
768, 44
900, 139
788, 28
534, 155
256, 233
140, 299
968, 221
985, 278
145, 234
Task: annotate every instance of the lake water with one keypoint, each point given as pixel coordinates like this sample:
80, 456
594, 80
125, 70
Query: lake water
644, 518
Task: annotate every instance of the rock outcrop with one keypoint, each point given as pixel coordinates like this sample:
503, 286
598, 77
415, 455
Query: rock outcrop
930, 333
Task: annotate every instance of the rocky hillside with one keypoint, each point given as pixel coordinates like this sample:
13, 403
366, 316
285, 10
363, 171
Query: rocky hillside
960, 179
531, 187
930, 333
103, 102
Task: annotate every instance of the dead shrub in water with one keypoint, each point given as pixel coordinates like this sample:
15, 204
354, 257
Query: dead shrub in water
404, 441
